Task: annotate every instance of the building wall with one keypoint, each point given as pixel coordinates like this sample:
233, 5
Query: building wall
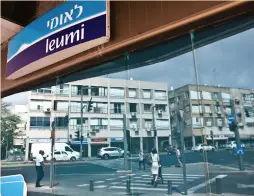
112, 115
208, 110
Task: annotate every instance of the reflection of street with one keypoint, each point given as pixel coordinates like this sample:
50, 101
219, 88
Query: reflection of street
73, 178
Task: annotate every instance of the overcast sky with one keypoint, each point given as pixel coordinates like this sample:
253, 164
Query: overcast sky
228, 62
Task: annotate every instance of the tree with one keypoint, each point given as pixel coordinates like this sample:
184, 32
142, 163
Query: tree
9, 124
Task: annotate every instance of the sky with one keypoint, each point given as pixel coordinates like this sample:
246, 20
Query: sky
228, 62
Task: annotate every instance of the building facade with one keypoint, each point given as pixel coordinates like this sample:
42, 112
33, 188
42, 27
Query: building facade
205, 114
103, 125
22, 112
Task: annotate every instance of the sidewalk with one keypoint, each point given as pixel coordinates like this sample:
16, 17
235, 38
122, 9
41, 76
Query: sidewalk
61, 191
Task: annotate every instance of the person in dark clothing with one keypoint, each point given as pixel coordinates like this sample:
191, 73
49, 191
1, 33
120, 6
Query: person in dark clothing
39, 164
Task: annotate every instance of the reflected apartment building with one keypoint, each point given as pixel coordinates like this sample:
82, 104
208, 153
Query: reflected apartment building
103, 125
205, 114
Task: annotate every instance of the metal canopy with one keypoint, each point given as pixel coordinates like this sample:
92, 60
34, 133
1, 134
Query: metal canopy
161, 52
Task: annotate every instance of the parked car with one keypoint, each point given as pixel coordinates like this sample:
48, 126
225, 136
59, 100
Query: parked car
108, 152
232, 145
62, 156
201, 147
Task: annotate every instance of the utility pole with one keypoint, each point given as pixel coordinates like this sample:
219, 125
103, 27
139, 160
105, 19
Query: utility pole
181, 129
237, 136
53, 131
81, 131
155, 131
125, 142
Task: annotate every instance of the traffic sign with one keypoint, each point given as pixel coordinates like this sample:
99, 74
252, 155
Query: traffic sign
240, 151
231, 118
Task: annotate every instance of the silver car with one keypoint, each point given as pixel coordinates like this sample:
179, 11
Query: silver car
107, 152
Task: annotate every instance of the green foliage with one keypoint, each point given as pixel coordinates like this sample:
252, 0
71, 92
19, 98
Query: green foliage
9, 127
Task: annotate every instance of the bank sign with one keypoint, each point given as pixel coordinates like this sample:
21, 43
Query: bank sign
71, 28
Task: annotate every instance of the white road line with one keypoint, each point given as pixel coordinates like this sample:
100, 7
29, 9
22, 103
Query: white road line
149, 181
122, 176
58, 166
131, 174
138, 177
110, 179
114, 183
82, 185
149, 185
98, 182
139, 188
191, 175
100, 186
195, 188
146, 175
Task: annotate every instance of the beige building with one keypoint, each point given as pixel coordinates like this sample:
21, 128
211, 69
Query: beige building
103, 126
22, 112
206, 110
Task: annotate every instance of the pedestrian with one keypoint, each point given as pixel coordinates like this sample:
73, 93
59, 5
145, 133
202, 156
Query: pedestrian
179, 157
142, 160
39, 164
155, 166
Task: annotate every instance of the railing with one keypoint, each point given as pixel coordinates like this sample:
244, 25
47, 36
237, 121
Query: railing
117, 111
116, 127
78, 127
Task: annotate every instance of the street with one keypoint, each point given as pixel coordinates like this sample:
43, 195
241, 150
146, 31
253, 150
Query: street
74, 177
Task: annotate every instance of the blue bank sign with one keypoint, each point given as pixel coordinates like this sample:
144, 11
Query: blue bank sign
69, 29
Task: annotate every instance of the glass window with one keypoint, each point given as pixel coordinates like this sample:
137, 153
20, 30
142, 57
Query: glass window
147, 94
57, 153
117, 92
147, 108
132, 93
160, 95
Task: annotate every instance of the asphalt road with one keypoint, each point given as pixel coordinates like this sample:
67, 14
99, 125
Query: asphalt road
222, 157
61, 170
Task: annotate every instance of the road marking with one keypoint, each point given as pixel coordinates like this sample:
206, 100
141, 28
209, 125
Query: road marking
242, 186
146, 175
191, 175
138, 177
139, 188
58, 166
98, 182
84, 174
82, 185
114, 183
149, 185
17, 168
100, 186
131, 174
110, 179
149, 181
122, 176
195, 188
172, 179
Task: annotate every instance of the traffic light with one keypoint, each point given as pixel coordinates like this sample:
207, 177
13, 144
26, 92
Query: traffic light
77, 134
66, 120
90, 105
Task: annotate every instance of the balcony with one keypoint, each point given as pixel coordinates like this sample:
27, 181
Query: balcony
116, 127
117, 111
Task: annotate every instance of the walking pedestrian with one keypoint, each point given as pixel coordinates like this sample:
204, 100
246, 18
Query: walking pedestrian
179, 157
142, 160
39, 164
155, 166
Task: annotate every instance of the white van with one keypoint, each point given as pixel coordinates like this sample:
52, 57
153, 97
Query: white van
46, 147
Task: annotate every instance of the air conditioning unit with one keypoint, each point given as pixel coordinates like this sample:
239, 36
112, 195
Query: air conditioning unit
148, 129
47, 110
95, 130
219, 112
209, 123
160, 112
133, 114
